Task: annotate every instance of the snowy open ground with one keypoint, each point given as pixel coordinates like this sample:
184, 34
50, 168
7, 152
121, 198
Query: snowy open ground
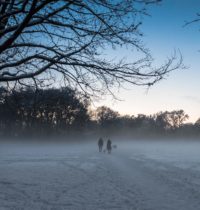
136, 176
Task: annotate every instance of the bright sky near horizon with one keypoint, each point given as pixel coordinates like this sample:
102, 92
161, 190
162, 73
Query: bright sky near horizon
164, 32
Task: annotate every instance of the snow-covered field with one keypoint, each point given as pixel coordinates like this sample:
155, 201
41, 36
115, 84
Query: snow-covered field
136, 176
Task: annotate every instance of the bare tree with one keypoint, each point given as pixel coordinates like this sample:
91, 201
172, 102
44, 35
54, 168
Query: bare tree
197, 123
64, 40
171, 120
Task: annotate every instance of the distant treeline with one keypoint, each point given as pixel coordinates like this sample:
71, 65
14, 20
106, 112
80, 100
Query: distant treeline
65, 112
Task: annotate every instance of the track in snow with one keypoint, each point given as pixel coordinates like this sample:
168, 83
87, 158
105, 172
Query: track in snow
136, 176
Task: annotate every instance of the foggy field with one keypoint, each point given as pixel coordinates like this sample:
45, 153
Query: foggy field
136, 176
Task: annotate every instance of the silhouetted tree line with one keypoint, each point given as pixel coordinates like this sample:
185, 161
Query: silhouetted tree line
42, 112
161, 124
63, 111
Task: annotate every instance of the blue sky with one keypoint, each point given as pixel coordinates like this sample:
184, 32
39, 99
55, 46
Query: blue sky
164, 32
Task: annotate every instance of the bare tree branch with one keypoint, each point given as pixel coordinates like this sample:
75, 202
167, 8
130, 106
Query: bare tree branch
50, 40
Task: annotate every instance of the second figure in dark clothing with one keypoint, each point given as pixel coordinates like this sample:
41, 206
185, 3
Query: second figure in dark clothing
109, 146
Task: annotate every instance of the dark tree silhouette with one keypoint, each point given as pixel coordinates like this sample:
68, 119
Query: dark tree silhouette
106, 117
171, 120
177, 118
42, 111
42, 40
63, 111
161, 121
197, 123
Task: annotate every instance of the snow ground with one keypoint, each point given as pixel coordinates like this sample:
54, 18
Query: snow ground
136, 176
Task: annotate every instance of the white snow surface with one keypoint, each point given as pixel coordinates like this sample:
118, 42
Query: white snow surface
142, 175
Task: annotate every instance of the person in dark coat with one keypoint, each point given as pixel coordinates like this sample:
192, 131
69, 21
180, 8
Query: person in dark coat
100, 144
109, 146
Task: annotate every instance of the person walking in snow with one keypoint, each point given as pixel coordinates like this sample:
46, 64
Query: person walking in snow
100, 144
109, 146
